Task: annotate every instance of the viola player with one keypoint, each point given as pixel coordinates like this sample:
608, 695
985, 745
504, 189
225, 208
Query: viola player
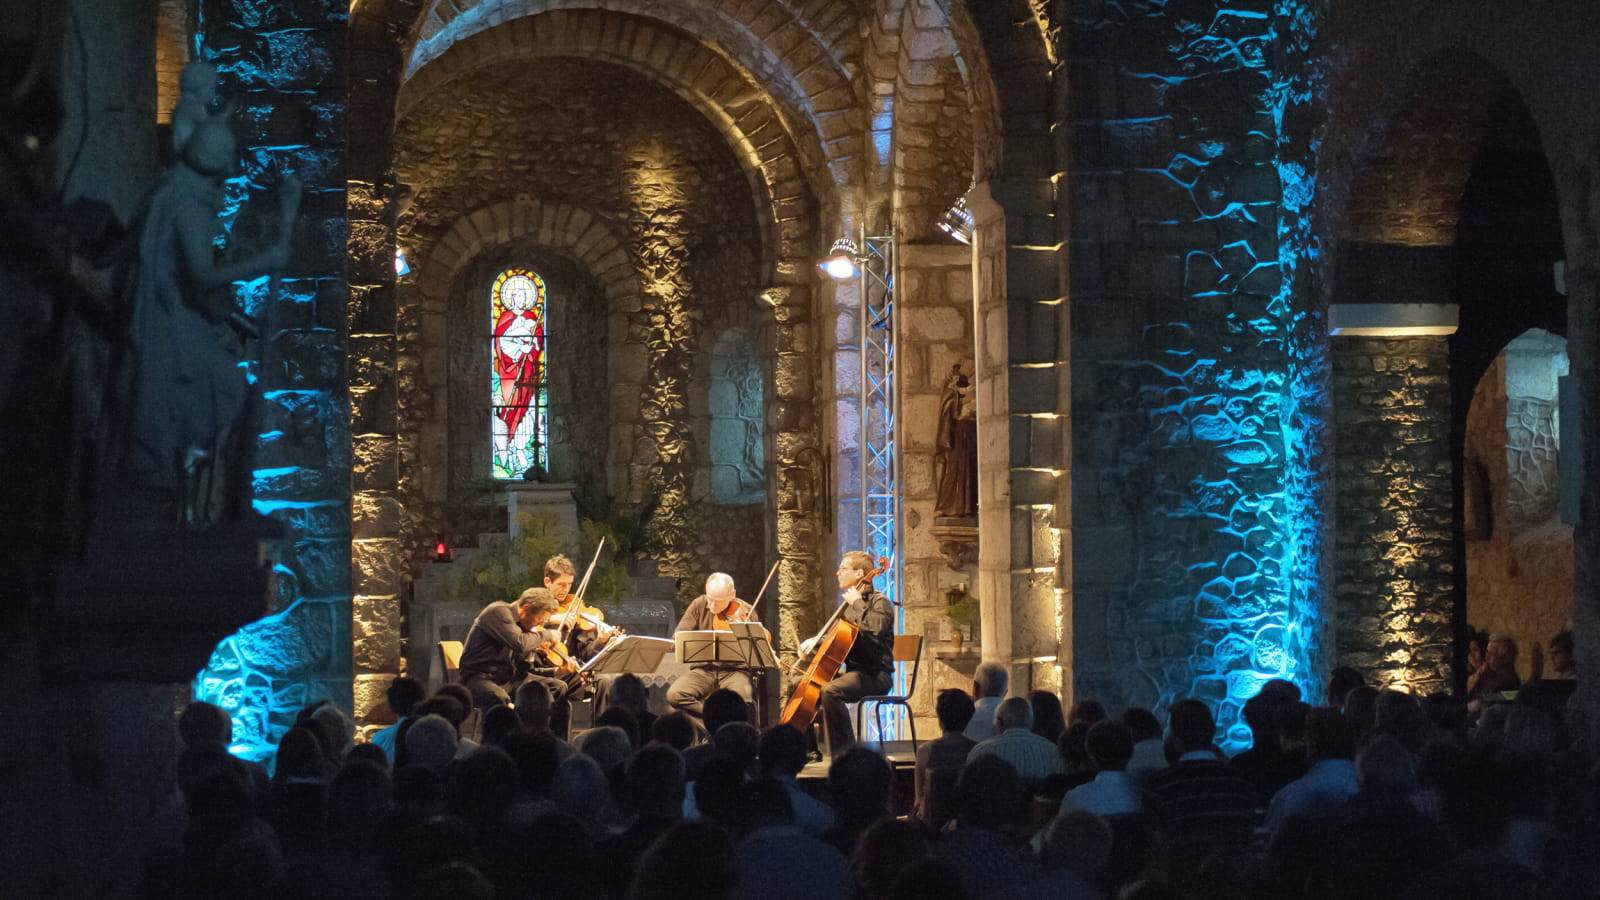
712, 611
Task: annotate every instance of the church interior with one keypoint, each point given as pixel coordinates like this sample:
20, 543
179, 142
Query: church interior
1176, 345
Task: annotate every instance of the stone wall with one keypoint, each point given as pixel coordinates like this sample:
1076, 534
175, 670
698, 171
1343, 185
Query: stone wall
1394, 569
1519, 553
1194, 550
286, 69
934, 292
601, 138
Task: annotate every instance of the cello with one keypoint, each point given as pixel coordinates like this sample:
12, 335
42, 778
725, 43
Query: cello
836, 638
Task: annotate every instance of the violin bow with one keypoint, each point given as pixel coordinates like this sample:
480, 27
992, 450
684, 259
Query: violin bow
575, 599
763, 592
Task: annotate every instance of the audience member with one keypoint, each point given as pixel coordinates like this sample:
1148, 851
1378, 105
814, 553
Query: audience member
1340, 682
1087, 712
886, 849
403, 694
1198, 803
1361, 710
986, 847
720, 707
1074, 851
1400, 716
1149, 751
620, 718
1048, 721
628, 692
1032, 756
1112, 792
858, 784
777, 859
1329, 782
430, 742
607, 745
675, 729
939, 761
498, 723
1266, 765
690, 861
782, 755
989, 685
1498, 673
653, 794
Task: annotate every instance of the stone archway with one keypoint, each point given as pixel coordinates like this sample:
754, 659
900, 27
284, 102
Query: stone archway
1453, 205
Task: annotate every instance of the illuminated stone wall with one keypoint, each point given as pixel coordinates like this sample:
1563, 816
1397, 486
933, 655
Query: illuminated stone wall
1519, 553
1196, 388
286, 65
1394, 563
650, 170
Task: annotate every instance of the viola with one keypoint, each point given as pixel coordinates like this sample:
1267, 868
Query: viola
828, 654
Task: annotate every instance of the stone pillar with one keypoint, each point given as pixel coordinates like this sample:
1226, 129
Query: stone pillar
285, 66
934, 289
1393, 549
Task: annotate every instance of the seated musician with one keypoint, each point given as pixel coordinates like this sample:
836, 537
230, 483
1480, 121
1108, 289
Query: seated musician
503, 650
582, 643
869, 667
712, 611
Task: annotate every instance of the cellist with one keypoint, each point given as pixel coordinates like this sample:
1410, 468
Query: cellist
869, 667
712, 611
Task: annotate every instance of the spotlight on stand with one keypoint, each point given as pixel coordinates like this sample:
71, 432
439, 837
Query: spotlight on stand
840, 263
957, 221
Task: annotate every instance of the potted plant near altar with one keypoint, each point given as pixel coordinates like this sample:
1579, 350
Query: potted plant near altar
962, 611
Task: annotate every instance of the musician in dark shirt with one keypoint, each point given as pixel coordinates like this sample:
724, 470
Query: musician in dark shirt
712, 611
502, 650
869, 667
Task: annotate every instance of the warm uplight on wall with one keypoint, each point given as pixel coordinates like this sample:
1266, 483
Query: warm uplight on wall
840, 263
1393, 319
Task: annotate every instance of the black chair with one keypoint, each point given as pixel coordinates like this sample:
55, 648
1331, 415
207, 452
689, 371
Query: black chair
907, 649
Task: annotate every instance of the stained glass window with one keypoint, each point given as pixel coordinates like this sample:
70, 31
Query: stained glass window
520, 419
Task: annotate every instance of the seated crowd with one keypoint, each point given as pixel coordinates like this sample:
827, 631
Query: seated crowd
1376, 794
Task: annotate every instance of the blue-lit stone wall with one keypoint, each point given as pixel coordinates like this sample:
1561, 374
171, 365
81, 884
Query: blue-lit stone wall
1198, 382
283, 65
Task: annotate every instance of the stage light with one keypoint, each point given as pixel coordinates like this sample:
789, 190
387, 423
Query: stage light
957, 221
401, 267
442, 551
840, 263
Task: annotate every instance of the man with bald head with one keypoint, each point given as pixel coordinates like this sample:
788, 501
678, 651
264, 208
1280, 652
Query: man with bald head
711, 611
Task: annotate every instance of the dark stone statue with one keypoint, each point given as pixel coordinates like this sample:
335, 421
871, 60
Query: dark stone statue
956, 456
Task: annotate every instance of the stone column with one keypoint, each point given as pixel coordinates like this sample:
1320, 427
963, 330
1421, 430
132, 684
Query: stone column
1393, 548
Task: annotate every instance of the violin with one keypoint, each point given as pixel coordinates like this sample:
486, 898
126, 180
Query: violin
574, 614
737, 611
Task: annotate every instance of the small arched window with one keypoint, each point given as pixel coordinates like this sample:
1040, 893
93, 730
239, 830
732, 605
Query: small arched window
738, 410
519, 421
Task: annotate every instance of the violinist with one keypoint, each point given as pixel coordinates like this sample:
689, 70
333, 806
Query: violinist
502, 650
714, 610
869, 668
582, 636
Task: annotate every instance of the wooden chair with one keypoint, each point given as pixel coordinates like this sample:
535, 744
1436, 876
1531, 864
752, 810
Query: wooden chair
450, 660
907, 649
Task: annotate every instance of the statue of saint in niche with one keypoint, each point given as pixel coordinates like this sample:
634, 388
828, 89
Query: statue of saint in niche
182, 394
956, 456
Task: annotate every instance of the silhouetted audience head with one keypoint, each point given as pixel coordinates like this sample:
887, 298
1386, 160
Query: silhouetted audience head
690, 861
1262, 714
419, 788
628, 692
431, 741
1048, 721
1385, 768
1073, 748
581, 789
858, 782
1361, 708
536, 755
782, 751
1190, 726
990, 680
1282, 686
716, 791
1109, 745
403, 694
498, 722
764, 803
1400, 714
1329, 735
1079, 842
990, 795
721, 707
533, 703
299, 756
884, 851
653, 781
607, 745
623, 720
1340, 682
675, 729
1013, 712
368, 752
1448, 715
1142, 723
929, 879
484, 785
445, 707
739, 740
358, 798
202, 723
954, 709
338, 728
1087, 711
